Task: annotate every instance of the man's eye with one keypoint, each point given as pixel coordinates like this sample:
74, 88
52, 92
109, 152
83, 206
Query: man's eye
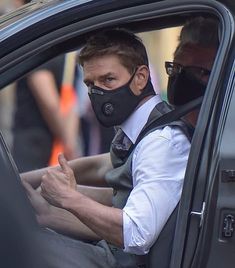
109, 79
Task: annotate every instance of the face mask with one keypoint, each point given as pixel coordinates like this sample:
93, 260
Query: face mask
183, 88
113, 107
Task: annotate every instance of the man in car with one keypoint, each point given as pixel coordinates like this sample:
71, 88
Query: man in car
116, 72
193, 60
156, 167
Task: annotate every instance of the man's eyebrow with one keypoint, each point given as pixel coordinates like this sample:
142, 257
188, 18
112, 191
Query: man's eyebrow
101, 77
107, 74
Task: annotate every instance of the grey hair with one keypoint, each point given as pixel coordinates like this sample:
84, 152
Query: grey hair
200, 31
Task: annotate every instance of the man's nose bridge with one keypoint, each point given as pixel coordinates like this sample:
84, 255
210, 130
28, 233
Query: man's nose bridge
96, 84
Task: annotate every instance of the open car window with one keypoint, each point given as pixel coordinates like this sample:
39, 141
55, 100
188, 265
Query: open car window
158, 24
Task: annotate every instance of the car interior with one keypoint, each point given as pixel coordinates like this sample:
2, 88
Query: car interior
68, 39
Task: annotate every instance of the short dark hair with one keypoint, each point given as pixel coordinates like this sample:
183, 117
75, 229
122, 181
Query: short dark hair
199, 31
126, 45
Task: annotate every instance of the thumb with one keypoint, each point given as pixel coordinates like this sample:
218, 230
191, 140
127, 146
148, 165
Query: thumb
63, 163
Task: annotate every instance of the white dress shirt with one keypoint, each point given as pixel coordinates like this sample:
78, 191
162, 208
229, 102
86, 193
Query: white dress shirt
158, 167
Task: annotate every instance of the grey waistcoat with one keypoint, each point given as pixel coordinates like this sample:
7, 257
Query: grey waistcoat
120, 178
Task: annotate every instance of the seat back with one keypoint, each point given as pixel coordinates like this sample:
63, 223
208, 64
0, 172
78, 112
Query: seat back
160, 253
20, 244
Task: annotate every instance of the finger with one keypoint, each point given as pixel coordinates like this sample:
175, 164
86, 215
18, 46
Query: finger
31, 192
53, 176
29, 189
43, 193
43, 183
50, 174
63, 163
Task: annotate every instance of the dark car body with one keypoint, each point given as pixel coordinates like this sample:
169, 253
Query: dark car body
204, 235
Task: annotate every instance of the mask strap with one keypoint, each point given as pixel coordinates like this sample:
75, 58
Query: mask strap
132, 76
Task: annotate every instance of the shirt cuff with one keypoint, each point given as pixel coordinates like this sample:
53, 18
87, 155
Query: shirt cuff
133, 243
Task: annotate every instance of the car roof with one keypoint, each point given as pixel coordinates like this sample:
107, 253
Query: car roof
38, 18
38, 6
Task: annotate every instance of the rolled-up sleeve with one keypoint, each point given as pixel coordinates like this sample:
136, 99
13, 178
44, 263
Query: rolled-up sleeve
158, 167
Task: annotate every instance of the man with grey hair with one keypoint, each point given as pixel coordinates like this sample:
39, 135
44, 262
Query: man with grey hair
193, 59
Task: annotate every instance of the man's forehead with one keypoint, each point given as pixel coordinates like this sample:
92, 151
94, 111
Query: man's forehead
101, 66
100, 73
195, 55
103, 59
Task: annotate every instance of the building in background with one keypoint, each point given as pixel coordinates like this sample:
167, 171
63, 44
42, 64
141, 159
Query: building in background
160, 46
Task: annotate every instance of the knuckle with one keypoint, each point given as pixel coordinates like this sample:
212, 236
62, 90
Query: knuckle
44, 177
70, 173
50, 172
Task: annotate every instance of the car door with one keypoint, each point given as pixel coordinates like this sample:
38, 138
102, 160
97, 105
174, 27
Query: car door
208, 199
20, 243
44, 30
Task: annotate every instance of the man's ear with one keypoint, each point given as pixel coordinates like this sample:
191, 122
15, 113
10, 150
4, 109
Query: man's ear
140, 79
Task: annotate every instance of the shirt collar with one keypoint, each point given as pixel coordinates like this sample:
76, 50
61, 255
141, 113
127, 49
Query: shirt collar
136, 121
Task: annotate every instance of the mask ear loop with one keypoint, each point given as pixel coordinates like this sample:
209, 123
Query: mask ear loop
148, 90
134, 73
132, 76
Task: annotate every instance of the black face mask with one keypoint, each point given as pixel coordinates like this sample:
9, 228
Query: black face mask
113, 107
183, 88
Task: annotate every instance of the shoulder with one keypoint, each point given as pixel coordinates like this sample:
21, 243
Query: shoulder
169, 137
